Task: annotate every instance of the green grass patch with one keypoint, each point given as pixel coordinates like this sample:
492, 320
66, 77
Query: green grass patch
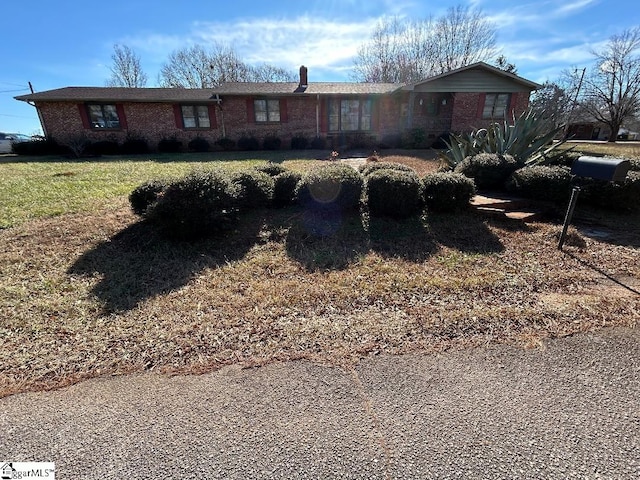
32, 187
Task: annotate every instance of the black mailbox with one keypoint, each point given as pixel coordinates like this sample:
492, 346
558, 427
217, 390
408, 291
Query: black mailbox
610, 169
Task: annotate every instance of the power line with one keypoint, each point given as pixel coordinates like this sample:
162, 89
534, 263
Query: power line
14, 116
13, 91
14, 84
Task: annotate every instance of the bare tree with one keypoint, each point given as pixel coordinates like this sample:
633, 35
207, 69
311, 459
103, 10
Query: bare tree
405, 51
126, 70
612, 88
195, 67
270, 73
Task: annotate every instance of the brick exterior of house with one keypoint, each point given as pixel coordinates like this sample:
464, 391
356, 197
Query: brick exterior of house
155, 114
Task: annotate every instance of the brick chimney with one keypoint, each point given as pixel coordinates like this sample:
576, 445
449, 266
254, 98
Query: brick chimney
303, 76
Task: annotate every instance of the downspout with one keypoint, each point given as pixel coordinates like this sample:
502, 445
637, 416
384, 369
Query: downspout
318, 115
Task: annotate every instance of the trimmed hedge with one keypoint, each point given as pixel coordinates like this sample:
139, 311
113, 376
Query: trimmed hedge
248, 143
47, 146
370, 167
488, 170
318, 143
134, 146
621, 196
393, 193
284, 189
447, 191
271, 142
198, 144
271, 169
198, 205
145, 195
332, 185
169, 145
225, 144
255, 188
552, 183
299, 142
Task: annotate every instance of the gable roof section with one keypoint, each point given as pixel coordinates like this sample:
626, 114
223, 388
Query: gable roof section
476, 77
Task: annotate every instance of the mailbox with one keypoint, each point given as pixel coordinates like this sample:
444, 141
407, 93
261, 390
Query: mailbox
610, 169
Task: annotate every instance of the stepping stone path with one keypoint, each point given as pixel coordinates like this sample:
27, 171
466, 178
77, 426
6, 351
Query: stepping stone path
504, 206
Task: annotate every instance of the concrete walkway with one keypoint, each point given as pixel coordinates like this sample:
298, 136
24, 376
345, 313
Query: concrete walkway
568, 410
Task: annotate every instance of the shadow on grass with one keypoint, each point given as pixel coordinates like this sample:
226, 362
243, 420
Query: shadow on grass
326, 239
138, 263
464, 231
407, 239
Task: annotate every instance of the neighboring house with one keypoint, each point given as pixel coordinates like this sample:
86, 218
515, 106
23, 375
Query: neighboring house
460, 100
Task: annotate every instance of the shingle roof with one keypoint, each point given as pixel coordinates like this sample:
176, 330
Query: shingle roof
121, 94
314, 88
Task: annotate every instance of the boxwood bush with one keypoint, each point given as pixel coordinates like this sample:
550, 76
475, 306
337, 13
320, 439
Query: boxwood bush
198, 144
332, 185
552, 183
299, 142
225, 144
255, 188
271, 169
47, 146
248, 142
393, 193
169, 145
370, 167
621, 196
318, 143
145, 195
198, 205
271, 142
284, 189
488, 170
447, 191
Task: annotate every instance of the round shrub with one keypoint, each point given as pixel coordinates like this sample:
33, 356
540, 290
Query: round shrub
284, 189
169, 145
271, 142
393, 193
145, 195
447, 191
198, 205
45, 146
299, 142
134, 146
103, 147
621, 196
248, 143
333, 185
255, 188
318, 143
488, 170
198, 144
225, 144
370, 167
552, 183
271, 169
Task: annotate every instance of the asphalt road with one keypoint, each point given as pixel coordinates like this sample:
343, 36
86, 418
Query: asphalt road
568, 410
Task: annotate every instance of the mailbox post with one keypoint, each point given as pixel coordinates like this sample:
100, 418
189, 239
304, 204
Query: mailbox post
608, 169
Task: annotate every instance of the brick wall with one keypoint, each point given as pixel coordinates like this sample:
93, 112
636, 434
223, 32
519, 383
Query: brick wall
467, 110
154, 121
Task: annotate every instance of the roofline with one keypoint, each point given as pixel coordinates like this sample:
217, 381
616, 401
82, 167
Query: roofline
486, 66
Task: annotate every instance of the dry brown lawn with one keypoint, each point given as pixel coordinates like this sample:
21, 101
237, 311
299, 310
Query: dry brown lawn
99, 293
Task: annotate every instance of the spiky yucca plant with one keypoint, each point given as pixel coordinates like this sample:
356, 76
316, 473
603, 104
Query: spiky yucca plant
527, 140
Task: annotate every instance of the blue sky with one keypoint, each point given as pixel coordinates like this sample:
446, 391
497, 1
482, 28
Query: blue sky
69, 42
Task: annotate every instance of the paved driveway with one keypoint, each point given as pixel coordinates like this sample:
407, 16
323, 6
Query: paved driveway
569, 410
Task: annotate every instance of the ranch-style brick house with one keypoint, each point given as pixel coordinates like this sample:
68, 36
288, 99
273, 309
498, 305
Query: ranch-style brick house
457, 101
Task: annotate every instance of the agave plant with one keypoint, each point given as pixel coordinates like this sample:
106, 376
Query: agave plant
526, 139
